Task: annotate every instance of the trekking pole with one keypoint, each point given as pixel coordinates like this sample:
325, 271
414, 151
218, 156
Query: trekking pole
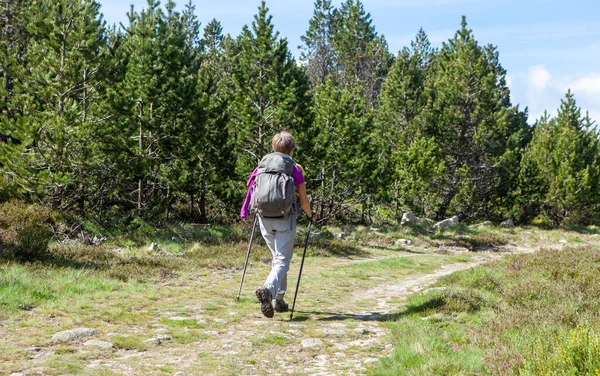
247, 257
301, 266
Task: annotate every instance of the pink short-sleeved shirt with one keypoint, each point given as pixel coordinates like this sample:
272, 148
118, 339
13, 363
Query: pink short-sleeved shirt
297, 174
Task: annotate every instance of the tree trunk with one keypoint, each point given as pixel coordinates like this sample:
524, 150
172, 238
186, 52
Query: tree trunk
441, 213
202, 207
141, 146
192, 208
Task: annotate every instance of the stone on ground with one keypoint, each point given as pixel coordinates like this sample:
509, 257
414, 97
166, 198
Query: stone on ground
409, 218
311, 343
453, 221
98, 343
73, 334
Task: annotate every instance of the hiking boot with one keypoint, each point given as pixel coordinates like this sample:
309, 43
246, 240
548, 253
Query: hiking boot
264, 297
281, 306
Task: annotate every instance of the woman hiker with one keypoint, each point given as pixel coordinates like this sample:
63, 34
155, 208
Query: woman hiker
277, 221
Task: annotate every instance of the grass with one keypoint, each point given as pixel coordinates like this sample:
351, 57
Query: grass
127, 292
529, 314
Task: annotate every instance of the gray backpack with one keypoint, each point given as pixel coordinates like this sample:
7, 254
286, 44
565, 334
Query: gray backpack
273, 193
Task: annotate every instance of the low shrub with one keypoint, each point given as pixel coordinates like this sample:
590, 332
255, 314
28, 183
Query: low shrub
575, 354
26, 229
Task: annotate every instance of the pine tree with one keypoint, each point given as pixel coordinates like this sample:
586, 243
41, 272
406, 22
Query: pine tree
56, 99
153, 106
470, 117
207, 166
361, 56
317, 54
340, 151
14, 39
561, 168
269, 91
403, 97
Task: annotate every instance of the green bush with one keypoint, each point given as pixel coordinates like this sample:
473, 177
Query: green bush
574, 354
25, 230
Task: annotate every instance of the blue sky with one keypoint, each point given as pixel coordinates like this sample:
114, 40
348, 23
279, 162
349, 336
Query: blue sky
547, 46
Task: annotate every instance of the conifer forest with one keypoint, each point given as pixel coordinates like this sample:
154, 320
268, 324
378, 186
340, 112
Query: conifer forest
162, 118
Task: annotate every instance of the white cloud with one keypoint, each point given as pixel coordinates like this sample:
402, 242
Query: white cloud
541, 90
589, 84
539, 77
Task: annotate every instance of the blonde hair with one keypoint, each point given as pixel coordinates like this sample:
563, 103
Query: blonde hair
283, 142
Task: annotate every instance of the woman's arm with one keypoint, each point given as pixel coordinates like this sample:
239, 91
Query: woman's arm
304, 201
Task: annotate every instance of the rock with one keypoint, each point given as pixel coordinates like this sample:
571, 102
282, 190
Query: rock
97, 241
159, 339
311, 343
361, 331
334, 333
370, 360
179, 374
180, 318
69, 335
17, 374
484, 224
220, 321
400, 242
340, 346
409, 218
508, 223
453, 221
342, 235
295, 332
98, 343
175, 239
161, 330
340, 355
41, 354
564, 241
153, 246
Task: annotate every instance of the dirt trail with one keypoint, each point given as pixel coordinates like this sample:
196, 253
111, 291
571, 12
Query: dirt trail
415, 283
196, 327
332, 336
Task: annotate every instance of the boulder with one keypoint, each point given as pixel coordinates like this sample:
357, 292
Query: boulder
69, 335
400, 242
334, 333
508, 223
311, 343
99, 344
453, 221
409, 218
342, 235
